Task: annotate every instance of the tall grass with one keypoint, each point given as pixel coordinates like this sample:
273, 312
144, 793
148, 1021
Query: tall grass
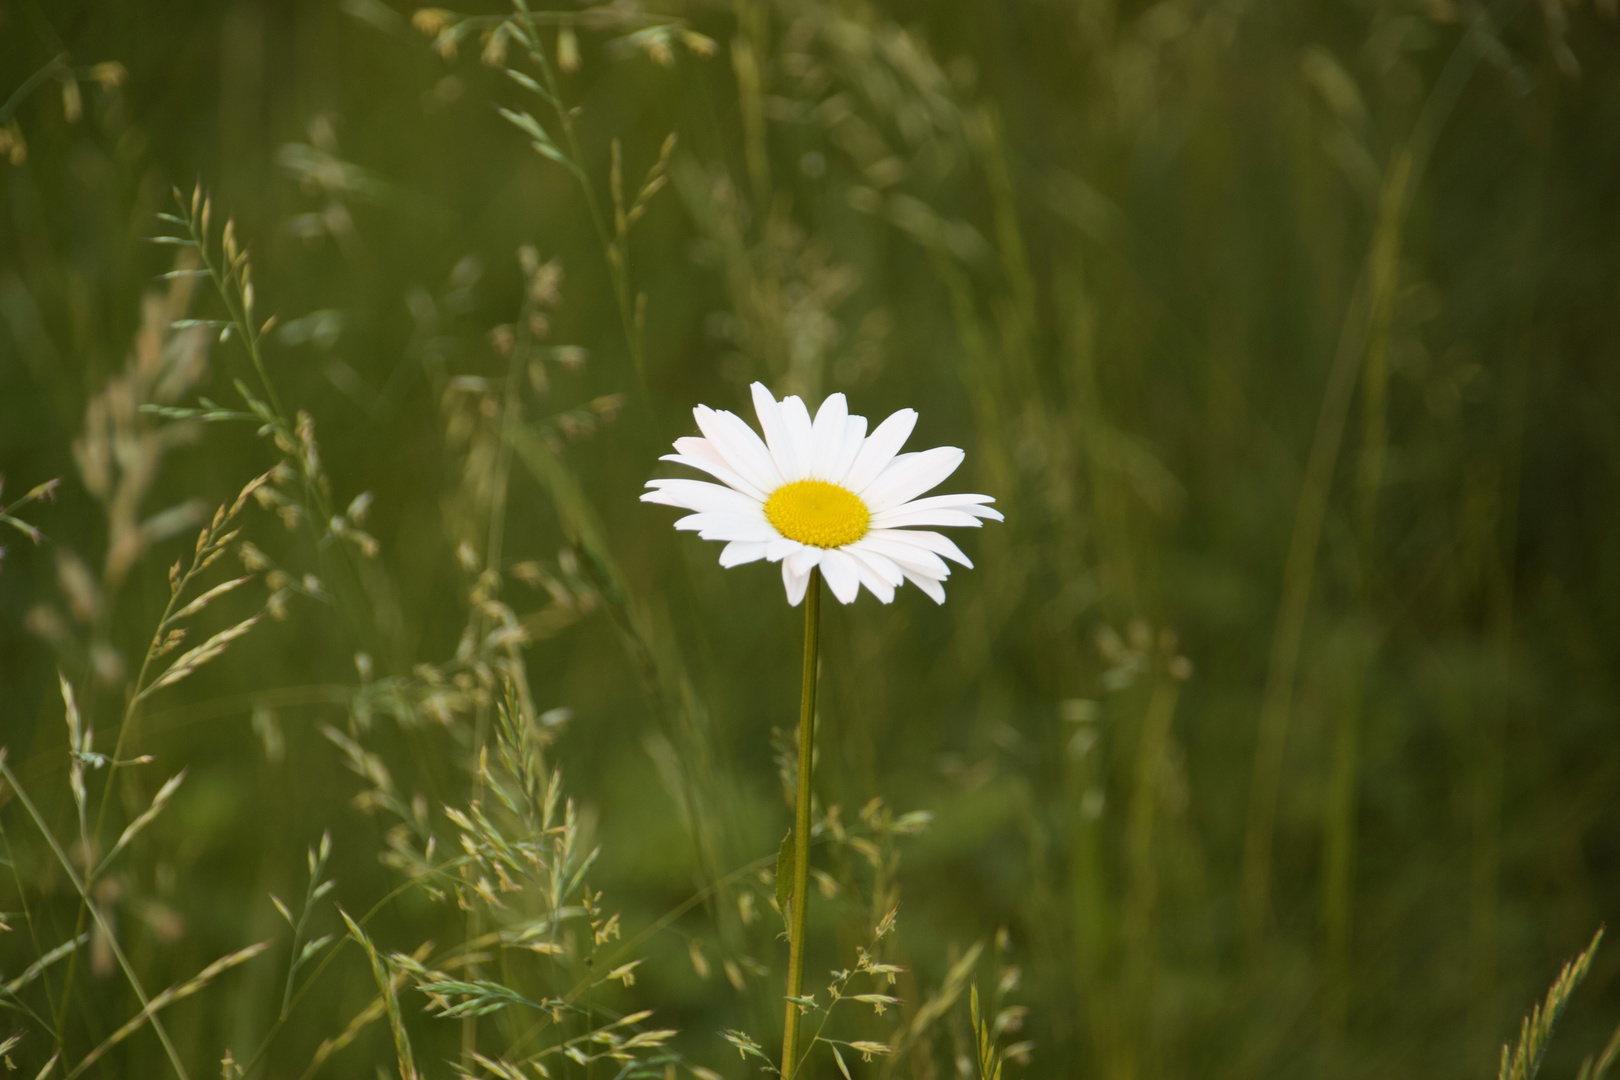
1272, 735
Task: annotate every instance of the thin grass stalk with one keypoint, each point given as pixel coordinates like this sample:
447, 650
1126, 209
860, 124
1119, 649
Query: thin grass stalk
1597, 1069
30, 84
84, 895
657, 660
631, 944
137, 693
125, 725
1090, 917
1485, 858
333, 953
1109, 506
1337, 902
1491, 755
979, 364
33, 934
1375, 368
1020, 303
1362, 320
164, 999
1136, 923
28, 919
232, 287
615, 253
747, 47
493, 541
510, 418
1338, 824
801, 825
1299, 570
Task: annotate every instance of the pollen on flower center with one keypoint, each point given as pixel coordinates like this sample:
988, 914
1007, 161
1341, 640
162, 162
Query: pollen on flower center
817, 513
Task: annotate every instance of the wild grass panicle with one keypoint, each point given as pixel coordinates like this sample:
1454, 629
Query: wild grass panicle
8, 513
1524, 1062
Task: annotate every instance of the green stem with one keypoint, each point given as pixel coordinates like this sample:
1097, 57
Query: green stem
84, 895
124, 726
30, 84
615, 250
799, 903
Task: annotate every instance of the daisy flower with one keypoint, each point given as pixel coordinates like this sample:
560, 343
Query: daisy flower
822, 493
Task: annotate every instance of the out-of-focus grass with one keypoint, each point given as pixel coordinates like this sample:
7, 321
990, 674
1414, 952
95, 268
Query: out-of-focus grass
1275, 726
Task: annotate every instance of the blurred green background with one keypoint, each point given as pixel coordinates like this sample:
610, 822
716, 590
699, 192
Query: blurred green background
1276, 725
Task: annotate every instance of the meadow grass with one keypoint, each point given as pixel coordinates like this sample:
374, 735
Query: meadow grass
356, 719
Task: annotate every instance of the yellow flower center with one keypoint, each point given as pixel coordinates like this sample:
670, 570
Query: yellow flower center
818, 513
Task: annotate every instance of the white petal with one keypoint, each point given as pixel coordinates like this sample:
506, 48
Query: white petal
806, 559
881, 565
827, 436
884, 566
727, 527
740, 446
938, 543
956, 497
909, 558
715, 468
781, 548
796, 419
794, 583
879, 449
703, 496
843, 578
934, 589
879, 575
854, 438
909, 475
696, 446
776, 434
902, 516
968, 504
937, 510
739, 552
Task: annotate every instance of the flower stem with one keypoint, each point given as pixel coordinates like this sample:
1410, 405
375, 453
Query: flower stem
800, 900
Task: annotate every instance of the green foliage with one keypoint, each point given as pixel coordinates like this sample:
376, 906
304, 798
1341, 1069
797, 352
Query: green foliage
1524, 1062
1272, 734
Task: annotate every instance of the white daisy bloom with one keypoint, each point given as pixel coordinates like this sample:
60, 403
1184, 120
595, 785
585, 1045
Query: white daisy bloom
822, 493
